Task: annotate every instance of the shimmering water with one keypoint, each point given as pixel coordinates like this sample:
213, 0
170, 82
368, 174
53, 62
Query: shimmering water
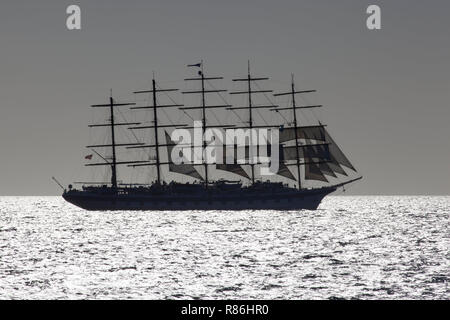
352, 247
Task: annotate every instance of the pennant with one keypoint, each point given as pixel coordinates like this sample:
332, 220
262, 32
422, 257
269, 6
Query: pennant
198, 65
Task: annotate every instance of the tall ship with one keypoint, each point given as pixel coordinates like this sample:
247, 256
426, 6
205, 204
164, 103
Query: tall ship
309, 163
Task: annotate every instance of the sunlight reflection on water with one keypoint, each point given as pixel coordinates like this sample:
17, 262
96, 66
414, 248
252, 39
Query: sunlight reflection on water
352, 247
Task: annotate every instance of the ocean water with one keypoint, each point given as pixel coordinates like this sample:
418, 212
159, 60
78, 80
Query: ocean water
353, 247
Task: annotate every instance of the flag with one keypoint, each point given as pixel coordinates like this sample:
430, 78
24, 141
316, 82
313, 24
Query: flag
198, 65
88, 157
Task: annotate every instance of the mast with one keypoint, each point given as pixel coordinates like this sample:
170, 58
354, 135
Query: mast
250, 113
155, 125
203, 107
204, 122
113, 144
112, 124
250, 107
296, 133
156, 132
294, 108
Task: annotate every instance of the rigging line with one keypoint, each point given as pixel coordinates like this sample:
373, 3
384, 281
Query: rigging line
212, 112
220, 96
348, 186
237, 114
289, 104
226, 102
339, 191
257, 111
315, 115
183, 102
164, 111
313, 112
166, 94
218, 93
146, 152
188, 115
265, 95
280, 113
304, 99
124, 119
308, 119
280, 82
170, 98
173, 102
303, 112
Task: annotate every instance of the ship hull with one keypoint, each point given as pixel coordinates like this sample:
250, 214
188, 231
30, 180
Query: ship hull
298, 200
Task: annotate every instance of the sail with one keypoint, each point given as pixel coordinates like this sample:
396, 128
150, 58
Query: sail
330, 152
237, 169
336, 159
312, 156
325, 168
320, 159
313, 172
232, 167
318, 153
336, 153
284, 171
186, 169
323, 153
335, 167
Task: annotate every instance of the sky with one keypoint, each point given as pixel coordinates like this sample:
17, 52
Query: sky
386, 93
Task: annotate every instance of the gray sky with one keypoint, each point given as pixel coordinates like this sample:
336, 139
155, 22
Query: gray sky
386, 93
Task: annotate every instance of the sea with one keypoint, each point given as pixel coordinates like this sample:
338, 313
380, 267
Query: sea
352, 247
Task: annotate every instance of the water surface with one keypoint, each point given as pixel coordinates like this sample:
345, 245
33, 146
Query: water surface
352, 247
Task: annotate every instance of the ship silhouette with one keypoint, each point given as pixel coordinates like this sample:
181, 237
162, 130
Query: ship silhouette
307, 155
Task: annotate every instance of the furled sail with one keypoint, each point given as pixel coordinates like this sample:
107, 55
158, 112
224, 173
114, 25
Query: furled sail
186, 169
